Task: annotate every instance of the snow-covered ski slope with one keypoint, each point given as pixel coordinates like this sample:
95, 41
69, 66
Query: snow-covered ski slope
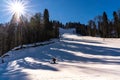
79, 58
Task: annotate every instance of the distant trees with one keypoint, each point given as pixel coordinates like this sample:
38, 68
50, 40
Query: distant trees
3, 38
39, 28
56, 25
101, 26
92, 28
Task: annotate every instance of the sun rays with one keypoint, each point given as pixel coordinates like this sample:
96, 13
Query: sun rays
19, 8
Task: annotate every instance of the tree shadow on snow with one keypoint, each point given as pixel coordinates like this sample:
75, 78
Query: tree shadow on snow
96, 50
34, 65
65, 53
84, 40
13, 74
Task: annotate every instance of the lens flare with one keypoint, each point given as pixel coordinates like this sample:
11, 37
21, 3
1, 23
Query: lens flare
19, 8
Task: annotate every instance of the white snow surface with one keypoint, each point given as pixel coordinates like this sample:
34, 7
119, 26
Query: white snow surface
78, 58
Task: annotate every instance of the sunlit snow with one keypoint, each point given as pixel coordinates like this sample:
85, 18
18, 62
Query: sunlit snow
78, 58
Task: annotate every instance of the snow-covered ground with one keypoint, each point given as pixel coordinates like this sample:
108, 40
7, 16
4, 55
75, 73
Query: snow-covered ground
79, 58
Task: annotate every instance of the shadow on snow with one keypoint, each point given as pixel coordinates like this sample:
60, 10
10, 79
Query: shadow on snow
64, 52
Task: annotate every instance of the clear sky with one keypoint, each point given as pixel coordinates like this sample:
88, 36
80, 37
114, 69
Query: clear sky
70, 10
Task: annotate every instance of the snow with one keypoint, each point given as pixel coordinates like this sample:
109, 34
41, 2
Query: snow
78, 58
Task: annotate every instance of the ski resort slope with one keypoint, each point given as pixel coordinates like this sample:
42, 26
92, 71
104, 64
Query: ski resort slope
78, 58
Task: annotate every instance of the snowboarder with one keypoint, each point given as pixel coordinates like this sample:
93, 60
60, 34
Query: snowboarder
54, 60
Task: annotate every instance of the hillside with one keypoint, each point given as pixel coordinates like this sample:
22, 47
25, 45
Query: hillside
79, 58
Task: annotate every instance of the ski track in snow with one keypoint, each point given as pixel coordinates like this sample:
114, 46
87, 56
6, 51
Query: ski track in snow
78, 58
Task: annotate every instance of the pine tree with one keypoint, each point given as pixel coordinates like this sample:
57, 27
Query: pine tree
105, 25
116, 24
47, 25
46, 19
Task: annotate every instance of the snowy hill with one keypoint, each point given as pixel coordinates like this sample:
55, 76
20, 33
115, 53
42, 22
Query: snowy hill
79, 58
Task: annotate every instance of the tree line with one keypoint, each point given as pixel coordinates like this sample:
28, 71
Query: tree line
100, 26
38, 29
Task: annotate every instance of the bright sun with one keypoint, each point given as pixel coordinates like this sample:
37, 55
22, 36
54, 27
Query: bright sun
18, 8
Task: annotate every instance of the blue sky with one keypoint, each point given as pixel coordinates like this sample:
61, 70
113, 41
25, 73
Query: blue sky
70, 10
